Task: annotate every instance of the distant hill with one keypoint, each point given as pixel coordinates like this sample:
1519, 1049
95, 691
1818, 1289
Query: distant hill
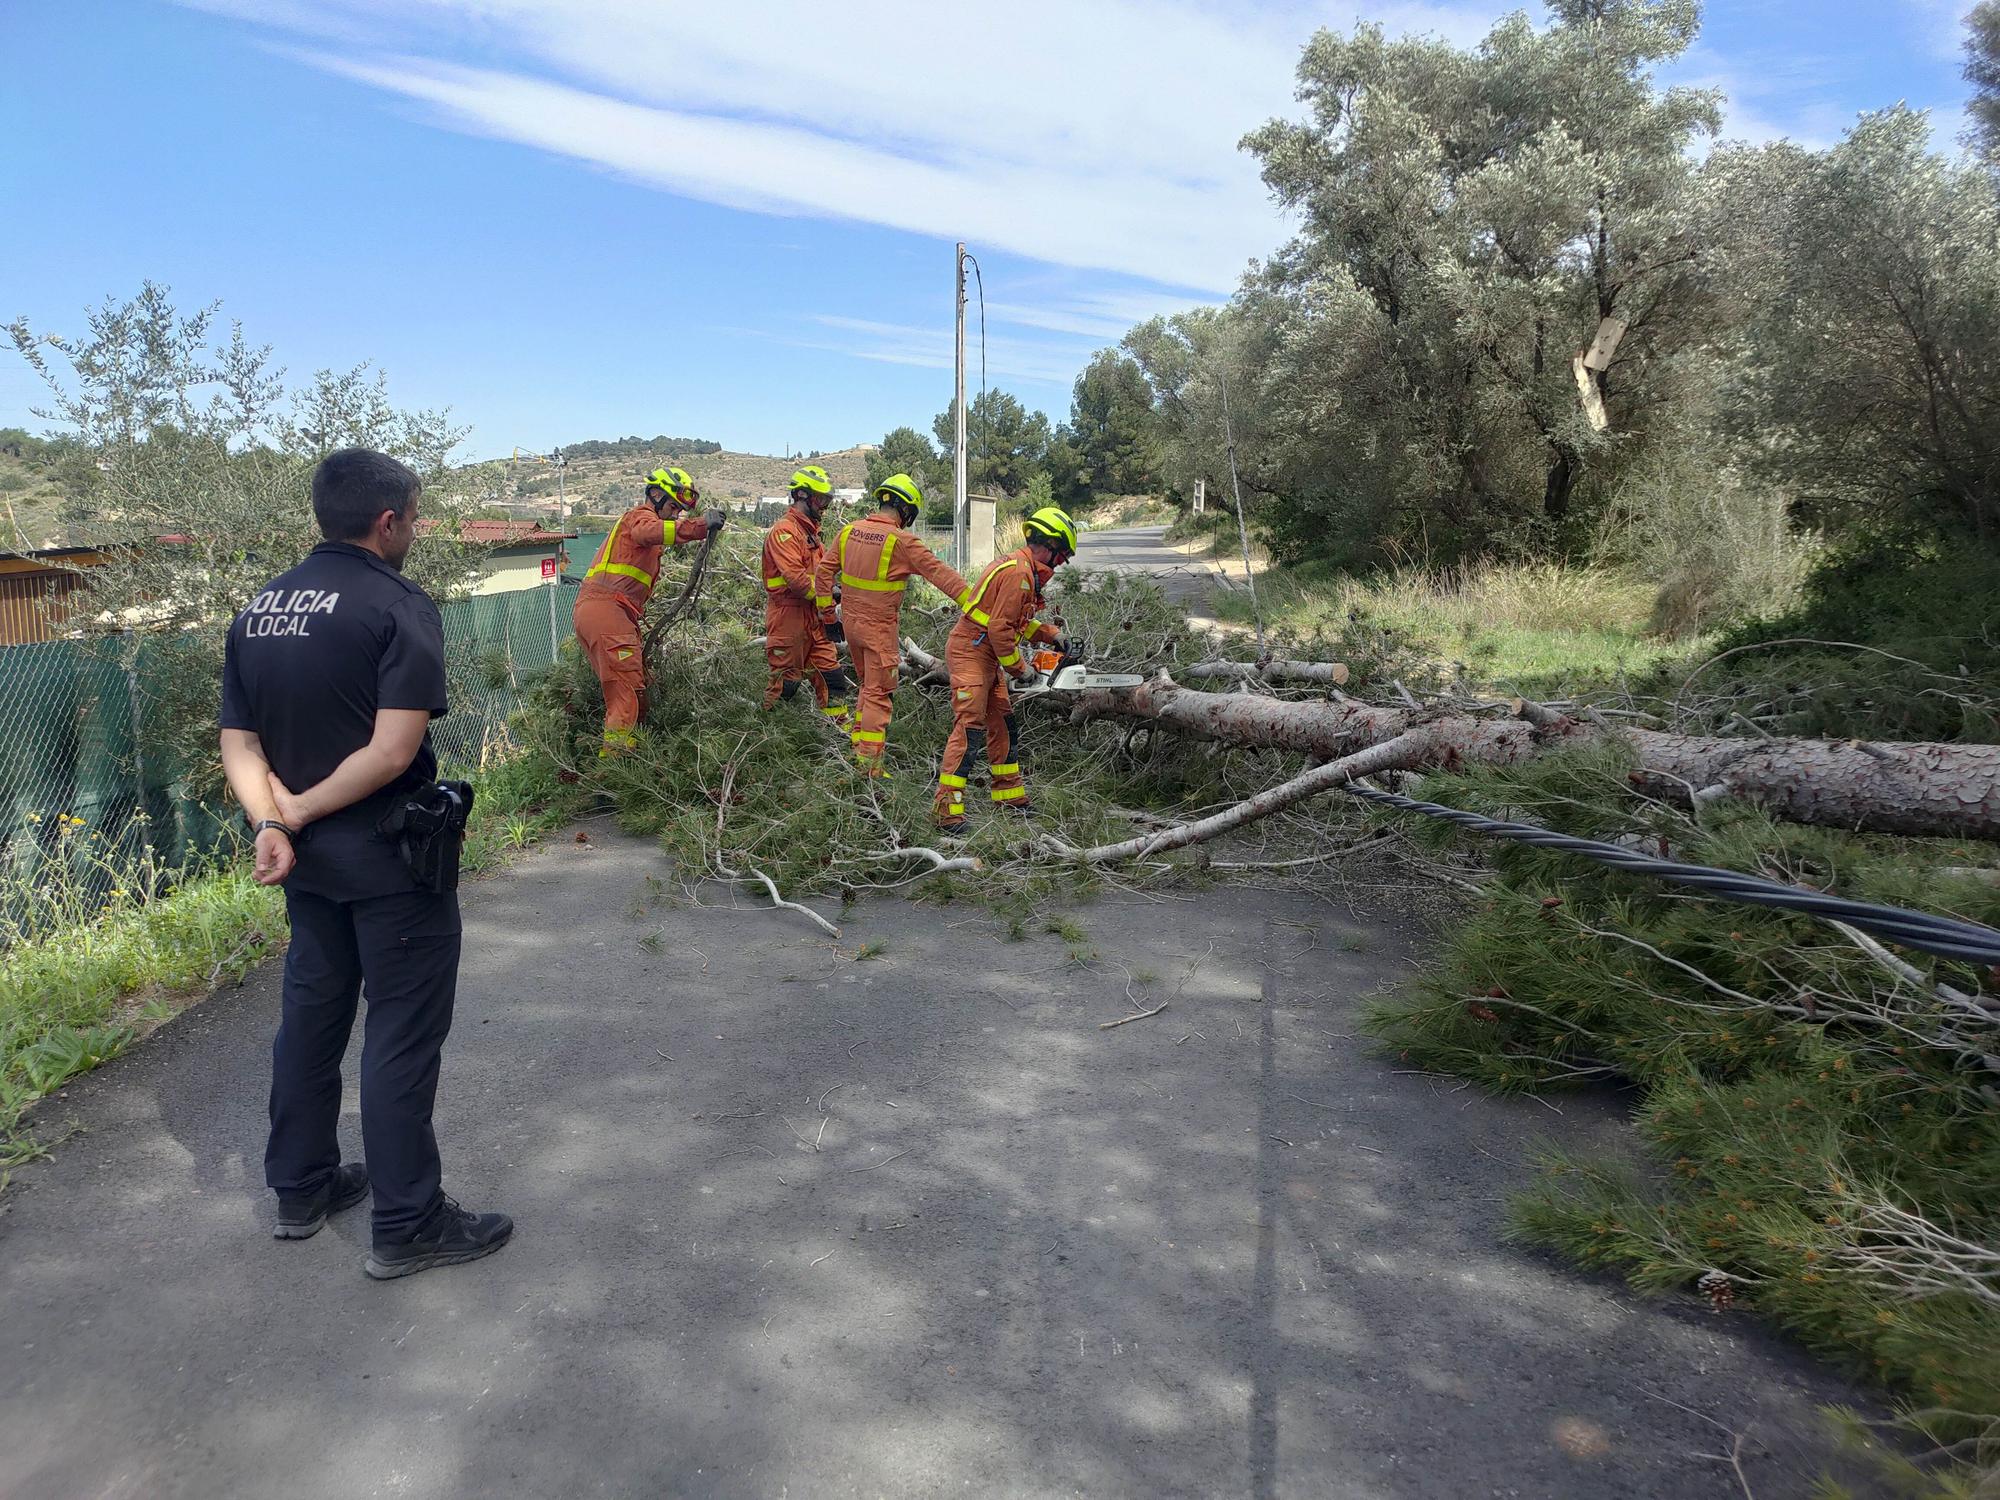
610, 484
604, 484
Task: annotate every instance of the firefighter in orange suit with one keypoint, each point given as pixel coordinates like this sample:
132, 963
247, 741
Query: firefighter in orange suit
617, 586
874, 559
795, 614
989, 645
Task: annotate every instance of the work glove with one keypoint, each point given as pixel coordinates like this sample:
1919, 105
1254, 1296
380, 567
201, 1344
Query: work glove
1056, 644
836, 632
716, 519
1028, 679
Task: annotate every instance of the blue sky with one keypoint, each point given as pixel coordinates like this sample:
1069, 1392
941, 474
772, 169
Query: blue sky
585, 218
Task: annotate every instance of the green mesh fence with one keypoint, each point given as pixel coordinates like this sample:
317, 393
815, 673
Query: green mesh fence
84, 783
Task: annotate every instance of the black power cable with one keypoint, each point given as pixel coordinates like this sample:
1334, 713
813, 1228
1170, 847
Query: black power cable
1947, 937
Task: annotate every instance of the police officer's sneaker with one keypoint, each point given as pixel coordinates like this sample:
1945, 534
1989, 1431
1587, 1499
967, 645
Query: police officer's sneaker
451, 1235
302, 1218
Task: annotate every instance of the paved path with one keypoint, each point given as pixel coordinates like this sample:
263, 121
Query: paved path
1188, 580
912, 1226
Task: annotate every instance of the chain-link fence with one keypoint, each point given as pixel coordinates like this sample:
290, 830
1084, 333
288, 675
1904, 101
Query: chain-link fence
85, 787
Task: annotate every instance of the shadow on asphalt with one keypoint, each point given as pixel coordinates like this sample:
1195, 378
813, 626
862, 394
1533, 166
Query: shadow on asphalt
797, 1225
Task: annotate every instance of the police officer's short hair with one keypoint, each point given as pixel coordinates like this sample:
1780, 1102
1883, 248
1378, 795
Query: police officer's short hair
352, 486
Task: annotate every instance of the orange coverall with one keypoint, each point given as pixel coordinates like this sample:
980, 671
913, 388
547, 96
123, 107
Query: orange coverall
609, 604
794, 615
985, 648
874, 560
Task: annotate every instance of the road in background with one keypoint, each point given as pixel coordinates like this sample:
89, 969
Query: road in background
1144, 549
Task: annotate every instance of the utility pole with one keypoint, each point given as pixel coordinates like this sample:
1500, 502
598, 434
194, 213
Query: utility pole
562, 490
961, 502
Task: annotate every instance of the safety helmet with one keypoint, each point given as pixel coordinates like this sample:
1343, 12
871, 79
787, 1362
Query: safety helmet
902, 492
1053, 528
678, 485
812, 480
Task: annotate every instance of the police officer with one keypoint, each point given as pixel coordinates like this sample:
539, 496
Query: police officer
329, 684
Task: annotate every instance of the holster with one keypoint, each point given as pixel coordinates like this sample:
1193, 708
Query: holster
427, 826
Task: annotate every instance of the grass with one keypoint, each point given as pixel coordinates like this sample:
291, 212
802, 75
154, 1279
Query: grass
84, 975
1781, 1140
95, 954
1518, 626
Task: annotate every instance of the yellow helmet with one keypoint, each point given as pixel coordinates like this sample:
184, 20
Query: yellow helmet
1053, 528
902, 492
813, 479
677, 483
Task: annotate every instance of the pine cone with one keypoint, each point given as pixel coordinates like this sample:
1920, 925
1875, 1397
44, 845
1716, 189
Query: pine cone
1721, 1291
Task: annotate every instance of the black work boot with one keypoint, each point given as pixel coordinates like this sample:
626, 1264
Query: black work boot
301, 1218
448, 1237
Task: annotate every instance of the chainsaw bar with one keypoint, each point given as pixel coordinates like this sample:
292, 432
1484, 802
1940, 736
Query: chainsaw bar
1083, 680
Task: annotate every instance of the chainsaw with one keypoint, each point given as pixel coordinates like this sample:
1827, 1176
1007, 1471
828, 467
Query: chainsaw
1063, 673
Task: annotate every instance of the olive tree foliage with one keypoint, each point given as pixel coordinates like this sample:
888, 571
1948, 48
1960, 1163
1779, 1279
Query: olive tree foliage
1870, 384
1469, 223
1982, 71
189, 461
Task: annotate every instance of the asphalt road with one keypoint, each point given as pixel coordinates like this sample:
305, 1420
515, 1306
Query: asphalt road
1187, 579
792, 1224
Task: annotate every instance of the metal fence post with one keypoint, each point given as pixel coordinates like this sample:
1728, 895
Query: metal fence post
132, 699
555, 646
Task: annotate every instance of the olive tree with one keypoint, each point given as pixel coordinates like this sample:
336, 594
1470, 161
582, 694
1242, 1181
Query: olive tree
188, 465
1871, 384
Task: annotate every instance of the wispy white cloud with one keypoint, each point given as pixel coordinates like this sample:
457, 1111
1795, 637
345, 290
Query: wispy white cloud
1100, 136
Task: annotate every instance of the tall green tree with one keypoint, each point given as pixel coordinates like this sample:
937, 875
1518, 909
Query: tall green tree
908, 451
1870, 390
1006, 444
1982, 71
1472, 225
1112, 426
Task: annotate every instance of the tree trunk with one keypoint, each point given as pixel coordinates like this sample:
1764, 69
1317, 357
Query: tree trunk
1561, 480
1935, 789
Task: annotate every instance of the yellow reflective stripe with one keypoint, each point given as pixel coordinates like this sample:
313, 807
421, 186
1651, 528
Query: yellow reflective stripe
979, 617
1008, 793
966, 597
824, 601
888, 550
835, 710
774, 583
1010, 769
869, 736
872, 586
974, 596
1011, 659
951, 781
623, 570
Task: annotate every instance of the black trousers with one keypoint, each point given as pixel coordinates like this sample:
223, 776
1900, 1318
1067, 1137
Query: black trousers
405, 949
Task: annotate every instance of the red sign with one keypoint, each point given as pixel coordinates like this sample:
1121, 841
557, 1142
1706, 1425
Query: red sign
548, 567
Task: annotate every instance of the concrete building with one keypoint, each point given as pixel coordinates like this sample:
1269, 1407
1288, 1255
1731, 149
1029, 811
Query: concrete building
519, 554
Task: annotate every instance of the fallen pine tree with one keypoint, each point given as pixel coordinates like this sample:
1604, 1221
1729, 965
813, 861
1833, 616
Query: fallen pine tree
1947, 790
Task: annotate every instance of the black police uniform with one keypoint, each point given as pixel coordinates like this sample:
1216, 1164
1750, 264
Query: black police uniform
307, 666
